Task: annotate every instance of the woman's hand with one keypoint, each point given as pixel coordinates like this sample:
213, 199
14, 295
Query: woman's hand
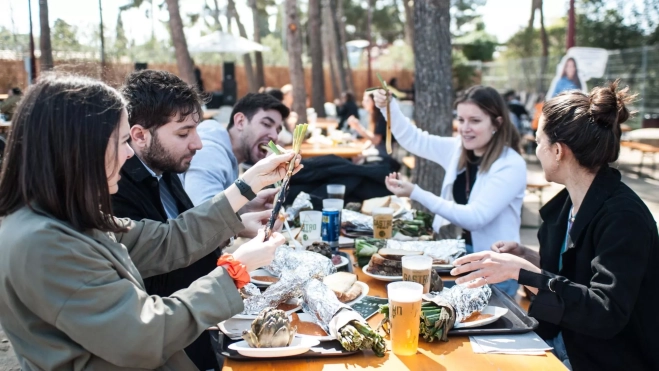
269, 170
380, 98
509, 247
395, 185
354, 122
254, 221
489, 267
256, 253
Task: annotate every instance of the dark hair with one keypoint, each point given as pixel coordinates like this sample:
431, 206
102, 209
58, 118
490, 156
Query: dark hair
154, 98
490, 101
55, 156
375, 114
575, 79
350, 97
16, 91
275, 93
589, 124
251, 103
508, 94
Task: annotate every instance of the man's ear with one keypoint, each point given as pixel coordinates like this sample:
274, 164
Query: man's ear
239, 121
139, 136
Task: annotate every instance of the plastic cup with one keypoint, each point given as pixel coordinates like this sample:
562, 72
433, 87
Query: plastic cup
418, 269
311, 224
336, 191
383, 218
404, 313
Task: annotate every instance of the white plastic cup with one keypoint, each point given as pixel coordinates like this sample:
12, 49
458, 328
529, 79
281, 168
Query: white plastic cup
311, 222
418, 268
404, 314
383, 222
336, 191
333, 203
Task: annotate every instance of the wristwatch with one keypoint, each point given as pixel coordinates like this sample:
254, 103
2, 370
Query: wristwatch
245, 189
551, 283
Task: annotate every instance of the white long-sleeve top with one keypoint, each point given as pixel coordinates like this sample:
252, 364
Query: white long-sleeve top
493, 211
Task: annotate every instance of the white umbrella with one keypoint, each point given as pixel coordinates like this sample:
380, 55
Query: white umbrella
221, 42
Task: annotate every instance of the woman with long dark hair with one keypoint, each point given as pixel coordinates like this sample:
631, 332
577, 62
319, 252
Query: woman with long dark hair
71, 290
569, 79
483, 189
595, 276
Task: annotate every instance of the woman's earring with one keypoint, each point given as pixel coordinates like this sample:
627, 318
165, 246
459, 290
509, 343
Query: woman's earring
494, 132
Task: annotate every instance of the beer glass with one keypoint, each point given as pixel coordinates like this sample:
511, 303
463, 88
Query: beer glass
417, 269
382, 222
311, 223
404, 314
336, 191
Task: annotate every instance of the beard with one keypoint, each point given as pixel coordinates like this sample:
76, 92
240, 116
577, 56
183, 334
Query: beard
158, 158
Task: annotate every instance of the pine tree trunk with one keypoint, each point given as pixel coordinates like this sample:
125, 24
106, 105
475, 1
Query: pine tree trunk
545, 49
183, 60
433, 83
337, 44
409, 22
316, 46
247, 58
328, 50
100, 12
344, 49
46, 58
296, 70
258, 56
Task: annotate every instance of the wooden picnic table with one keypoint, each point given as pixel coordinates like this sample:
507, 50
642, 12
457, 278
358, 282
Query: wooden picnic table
326, 123
4, 127
350, 150
3, 97
456, 354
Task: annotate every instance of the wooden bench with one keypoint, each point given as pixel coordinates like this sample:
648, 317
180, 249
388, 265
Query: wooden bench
645, 149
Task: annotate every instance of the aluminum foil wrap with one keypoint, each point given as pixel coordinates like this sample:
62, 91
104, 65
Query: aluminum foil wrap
301, 202
249, 290
295, 269
464, 300
322, 304
442, 251
359, 220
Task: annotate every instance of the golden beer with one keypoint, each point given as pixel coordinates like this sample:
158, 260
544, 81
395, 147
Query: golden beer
404, 314
382, 222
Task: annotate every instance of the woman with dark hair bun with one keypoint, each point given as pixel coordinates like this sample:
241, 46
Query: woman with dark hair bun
72, 294
595, 277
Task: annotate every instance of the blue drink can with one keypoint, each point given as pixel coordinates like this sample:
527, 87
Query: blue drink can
330, 228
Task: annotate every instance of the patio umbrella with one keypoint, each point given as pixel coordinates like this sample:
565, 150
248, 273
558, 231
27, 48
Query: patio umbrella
222, 42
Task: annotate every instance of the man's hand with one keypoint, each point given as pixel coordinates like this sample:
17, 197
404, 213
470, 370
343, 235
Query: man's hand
264, 200
257, 220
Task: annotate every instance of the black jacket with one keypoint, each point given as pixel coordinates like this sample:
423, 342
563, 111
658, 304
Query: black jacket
607, 292
345, 111
139, 198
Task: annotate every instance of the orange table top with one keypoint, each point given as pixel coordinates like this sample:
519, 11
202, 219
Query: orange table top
346, 151
456, 354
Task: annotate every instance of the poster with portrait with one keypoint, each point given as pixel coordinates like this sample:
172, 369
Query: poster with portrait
577, 67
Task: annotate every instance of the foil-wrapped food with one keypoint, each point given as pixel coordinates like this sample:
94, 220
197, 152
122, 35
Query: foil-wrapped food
339, 320
465, 301
302, 202
294, 269
442, 251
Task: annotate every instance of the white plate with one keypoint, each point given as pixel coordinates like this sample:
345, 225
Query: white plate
233, 328
343, 263
364, 293
298, 346
381, 278
306, 317
296, 301
496, 312
261, 272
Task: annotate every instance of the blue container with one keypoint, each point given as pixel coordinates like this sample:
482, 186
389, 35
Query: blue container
331, 229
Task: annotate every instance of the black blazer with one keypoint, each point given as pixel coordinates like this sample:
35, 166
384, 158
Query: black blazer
607, 293
139, 198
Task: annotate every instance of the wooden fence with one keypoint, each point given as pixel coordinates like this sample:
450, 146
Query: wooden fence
12, 73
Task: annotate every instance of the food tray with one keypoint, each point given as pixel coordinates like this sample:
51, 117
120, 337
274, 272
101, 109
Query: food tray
234, 355
516, 321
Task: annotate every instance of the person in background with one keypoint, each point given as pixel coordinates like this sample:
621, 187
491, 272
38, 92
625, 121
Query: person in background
286, 135
72, 295
537, 112
287, 90
485, 181
345, 108
517, 110
197, 76
569, 79
595, 276
8, 106
163, 113
255, 120
377, 124
274, 92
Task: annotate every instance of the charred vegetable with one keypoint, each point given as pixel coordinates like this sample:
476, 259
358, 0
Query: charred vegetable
358, 335
435, 321
271, 329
